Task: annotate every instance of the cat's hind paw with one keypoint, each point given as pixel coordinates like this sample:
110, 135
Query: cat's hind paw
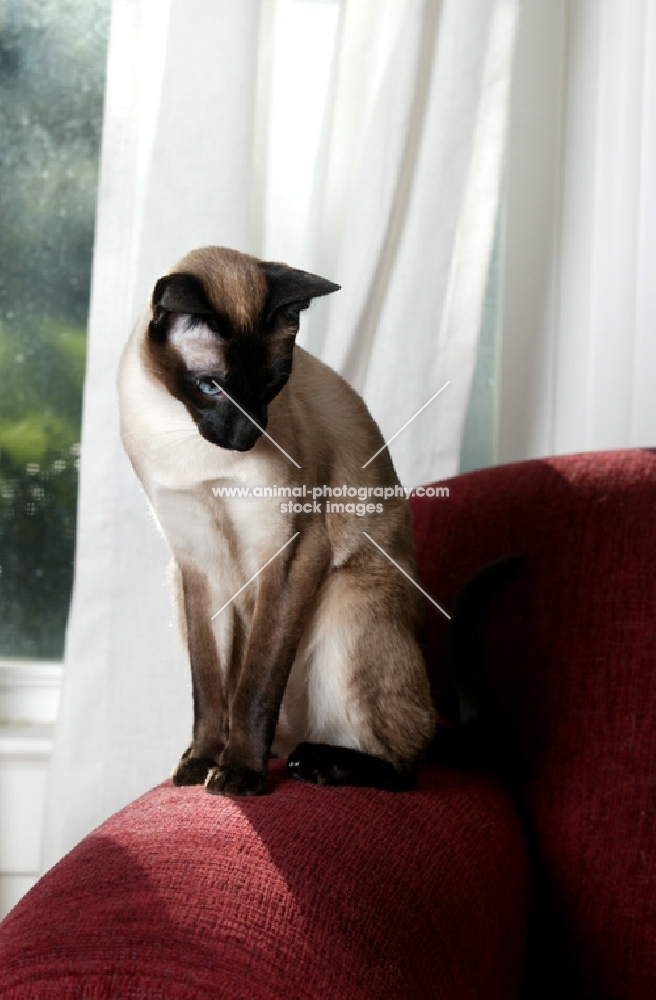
325, 764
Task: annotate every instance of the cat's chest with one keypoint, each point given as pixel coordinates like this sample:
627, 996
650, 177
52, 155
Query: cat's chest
205, 498
228, 538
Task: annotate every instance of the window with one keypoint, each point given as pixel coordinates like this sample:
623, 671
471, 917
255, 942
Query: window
52, 67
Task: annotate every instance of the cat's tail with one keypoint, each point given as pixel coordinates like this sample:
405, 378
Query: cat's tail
479, 737
482, 737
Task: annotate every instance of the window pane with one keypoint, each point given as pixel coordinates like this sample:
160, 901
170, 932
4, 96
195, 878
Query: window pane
52, 67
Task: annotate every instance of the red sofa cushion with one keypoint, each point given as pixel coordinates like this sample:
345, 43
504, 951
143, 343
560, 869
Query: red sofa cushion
304, 893
571, 654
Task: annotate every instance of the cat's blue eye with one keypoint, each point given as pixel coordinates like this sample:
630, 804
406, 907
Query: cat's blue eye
208, 386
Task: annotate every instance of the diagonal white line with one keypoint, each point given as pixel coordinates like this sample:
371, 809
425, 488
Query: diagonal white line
260, 429
288, 542
389, 440
401, 570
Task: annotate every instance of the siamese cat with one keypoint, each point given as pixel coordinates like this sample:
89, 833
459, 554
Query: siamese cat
302, 634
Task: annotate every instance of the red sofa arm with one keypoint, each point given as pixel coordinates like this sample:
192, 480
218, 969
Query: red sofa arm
570, 652
303, 893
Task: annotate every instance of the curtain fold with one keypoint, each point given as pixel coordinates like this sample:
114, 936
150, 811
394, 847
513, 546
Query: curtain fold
418, 326
579, 337
405, 158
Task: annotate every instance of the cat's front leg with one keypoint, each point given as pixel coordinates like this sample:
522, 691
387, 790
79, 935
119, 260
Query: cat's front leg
286, 592
210, 733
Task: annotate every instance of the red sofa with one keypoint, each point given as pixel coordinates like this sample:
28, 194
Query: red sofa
353, 893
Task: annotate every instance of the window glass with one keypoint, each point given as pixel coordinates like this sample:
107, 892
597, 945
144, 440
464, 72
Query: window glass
52, 68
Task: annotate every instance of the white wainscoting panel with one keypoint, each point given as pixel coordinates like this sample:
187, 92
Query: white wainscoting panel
29, 700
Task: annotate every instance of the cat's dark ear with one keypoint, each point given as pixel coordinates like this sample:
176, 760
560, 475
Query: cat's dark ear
292, 290
176, 293
181, 293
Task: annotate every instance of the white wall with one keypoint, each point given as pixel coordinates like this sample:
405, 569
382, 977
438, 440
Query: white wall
29, 698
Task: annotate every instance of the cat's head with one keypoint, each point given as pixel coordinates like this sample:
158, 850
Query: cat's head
221, 338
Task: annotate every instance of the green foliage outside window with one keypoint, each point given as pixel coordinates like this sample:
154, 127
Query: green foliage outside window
52, 69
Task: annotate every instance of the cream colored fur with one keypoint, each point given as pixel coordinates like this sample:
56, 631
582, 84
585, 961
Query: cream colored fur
332, 694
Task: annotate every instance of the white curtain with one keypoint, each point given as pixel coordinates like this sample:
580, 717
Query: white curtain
361, 139
579, 332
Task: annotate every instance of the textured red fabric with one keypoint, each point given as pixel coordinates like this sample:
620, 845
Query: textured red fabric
304, 893
571, 653
352, 893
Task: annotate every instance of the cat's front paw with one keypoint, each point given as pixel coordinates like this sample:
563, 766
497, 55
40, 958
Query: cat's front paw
235, 779
191, 770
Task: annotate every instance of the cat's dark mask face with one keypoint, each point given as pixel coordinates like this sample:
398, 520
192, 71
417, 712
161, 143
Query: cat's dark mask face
221, 338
